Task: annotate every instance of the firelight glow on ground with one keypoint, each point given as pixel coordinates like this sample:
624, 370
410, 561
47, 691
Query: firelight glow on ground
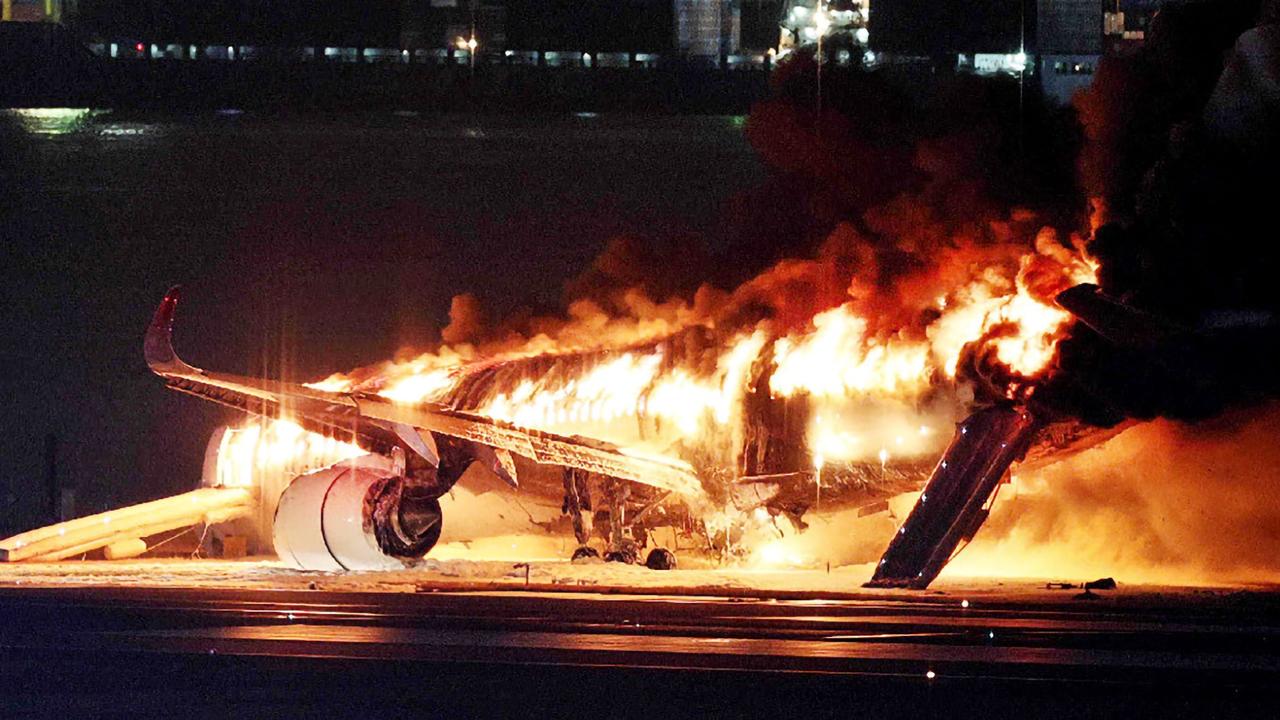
561, 576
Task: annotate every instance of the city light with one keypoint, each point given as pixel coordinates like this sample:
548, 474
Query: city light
50, 121
815, 22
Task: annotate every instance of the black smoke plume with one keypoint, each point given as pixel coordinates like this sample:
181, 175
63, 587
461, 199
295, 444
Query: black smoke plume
1181, 156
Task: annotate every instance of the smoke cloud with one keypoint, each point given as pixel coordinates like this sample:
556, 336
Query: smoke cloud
1180, 157
885, 201
1162, 502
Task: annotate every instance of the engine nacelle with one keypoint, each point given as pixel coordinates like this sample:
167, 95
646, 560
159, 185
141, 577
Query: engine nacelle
357, 514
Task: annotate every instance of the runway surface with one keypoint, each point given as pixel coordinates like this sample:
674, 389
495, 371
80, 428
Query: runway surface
235, 652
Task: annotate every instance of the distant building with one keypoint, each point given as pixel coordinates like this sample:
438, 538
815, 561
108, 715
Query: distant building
707, 28
1069, 40
760, 20
434, 24
31, 10
555, 32
1074, 35
617, 26
278, 23
1060, 42
1125, 22
840, 24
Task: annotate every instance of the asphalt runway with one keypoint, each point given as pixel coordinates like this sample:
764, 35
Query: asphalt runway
181, 652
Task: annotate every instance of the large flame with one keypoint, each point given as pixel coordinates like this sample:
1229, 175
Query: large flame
266, 456
873, 392
246, 455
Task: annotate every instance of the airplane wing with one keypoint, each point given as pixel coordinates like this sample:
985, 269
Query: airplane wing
383, 424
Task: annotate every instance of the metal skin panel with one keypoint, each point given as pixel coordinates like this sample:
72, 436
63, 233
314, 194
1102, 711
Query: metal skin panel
298, 533
350, 544
950, 509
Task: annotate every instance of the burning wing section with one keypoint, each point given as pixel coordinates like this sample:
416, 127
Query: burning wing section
380, 424
380, 506
382, 509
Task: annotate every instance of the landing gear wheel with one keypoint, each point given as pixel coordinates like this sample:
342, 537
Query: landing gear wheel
626, 552
585, 553
660, 559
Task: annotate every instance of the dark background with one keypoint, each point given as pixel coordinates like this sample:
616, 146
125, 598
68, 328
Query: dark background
933, 28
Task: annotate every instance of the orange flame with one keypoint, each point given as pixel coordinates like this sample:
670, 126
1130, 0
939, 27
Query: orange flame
258, 450
875, 394
866, 389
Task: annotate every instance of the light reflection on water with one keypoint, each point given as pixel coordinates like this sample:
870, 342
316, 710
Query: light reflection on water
128, 130
50, 121
112, 124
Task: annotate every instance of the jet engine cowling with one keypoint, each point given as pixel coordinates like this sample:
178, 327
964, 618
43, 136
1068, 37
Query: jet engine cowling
358, 514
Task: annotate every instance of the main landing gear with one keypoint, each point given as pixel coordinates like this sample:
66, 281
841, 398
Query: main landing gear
621, 532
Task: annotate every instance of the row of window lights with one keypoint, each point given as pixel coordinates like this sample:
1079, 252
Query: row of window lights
461, 55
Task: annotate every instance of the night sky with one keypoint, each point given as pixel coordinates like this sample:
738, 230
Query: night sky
308, 244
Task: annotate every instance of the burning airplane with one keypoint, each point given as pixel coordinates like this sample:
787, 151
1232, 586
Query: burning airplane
707, 429
928, 358
712, 429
